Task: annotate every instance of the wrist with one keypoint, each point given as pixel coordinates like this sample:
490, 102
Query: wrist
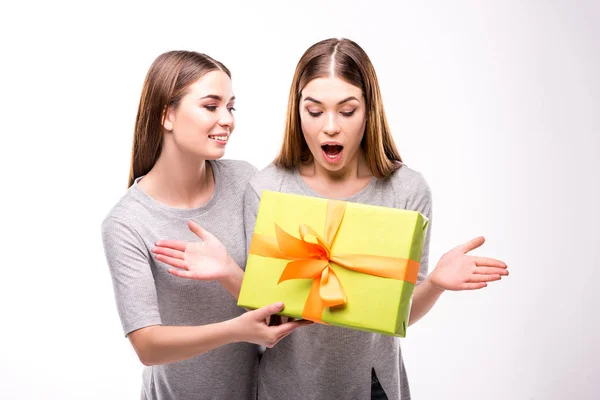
232, 270
232, 330
433, 286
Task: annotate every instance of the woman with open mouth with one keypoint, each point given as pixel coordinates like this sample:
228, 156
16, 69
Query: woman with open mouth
337, 145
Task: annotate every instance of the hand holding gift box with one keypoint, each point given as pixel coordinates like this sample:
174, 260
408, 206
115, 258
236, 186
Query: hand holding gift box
351, 265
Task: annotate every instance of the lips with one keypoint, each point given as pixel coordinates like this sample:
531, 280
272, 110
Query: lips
219, 137
332, 152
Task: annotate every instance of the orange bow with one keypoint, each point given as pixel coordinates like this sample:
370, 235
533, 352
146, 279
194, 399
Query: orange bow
312, 260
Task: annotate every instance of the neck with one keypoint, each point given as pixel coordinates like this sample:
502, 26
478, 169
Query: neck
351, 179
179, 180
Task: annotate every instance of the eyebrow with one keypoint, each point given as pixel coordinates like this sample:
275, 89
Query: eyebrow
339, 102
216, 97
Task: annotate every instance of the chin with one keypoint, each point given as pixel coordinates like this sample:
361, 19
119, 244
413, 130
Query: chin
214, 155
332, 167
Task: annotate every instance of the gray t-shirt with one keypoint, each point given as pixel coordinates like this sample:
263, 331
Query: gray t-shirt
146, 294
327, 362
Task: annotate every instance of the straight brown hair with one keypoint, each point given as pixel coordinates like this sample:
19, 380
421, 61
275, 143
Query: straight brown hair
166, 83
351, 64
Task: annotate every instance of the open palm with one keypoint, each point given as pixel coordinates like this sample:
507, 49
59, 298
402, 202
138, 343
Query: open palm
457, 270
203, 260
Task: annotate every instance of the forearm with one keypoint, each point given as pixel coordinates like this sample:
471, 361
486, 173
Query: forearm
156, 345
424, 298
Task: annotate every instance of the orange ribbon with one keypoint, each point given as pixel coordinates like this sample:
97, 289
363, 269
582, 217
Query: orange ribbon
312, 261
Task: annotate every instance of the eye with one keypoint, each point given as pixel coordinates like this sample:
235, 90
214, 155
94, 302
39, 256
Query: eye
211, 108
231, 109
314, 113
347, 113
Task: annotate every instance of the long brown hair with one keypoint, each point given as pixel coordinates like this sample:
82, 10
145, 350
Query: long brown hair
352, 65
166, 83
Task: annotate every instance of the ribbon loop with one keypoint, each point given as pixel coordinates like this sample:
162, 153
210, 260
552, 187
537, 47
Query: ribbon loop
330, 289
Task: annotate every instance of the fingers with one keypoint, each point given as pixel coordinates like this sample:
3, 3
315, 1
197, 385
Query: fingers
282, 331
473, 285
199, 231
490, 271
168, 252
471, 244
178, 245
488, 274
289, 327
476, 278
174, 262
181, 273
262, 313
488, 262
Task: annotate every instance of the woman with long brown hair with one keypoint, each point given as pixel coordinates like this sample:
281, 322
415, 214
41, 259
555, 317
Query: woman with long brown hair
191, 335
337, 145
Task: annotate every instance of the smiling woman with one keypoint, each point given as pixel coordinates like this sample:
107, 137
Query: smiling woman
179, 328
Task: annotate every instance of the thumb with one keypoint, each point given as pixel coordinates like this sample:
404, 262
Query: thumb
262, 313
471, 244
199, 231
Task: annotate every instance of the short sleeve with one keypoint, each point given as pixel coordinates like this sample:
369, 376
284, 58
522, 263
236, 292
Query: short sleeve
133, 282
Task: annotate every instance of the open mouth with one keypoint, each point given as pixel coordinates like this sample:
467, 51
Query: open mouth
222, 138
332, 152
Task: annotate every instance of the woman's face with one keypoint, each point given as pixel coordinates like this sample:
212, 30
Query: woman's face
202, 122
332, 116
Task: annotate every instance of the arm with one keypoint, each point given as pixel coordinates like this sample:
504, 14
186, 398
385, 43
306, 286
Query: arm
233, 282
424, 298
165, 344
456, 270
137, 304
158, 344
426, 294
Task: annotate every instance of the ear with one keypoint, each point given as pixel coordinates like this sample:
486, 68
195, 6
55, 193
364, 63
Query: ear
168, 118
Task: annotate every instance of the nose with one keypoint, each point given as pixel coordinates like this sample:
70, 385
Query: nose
226, 119
331, 126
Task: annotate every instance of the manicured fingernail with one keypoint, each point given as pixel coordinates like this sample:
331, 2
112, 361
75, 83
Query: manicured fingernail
279, 304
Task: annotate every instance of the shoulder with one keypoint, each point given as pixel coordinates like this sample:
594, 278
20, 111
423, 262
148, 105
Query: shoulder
124, 210
410, 182
126, 216
269, 178
237, 169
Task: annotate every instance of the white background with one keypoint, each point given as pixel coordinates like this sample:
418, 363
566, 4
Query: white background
497, 103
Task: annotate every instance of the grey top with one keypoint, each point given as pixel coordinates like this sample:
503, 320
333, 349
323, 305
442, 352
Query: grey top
327, 362
146, 294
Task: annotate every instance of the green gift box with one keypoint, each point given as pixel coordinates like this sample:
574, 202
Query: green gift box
335, 262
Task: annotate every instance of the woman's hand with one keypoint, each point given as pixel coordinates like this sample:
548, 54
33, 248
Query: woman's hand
252, 326
458, 271
203, 260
